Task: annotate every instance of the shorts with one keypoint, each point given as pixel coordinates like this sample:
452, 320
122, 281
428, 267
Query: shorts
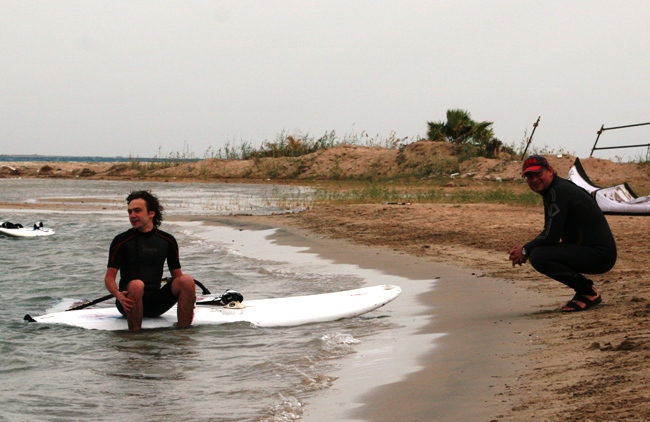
155, 303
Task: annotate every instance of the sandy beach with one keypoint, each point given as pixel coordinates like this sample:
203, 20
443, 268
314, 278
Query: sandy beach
469, 373
508, 353
559, 366
583, 362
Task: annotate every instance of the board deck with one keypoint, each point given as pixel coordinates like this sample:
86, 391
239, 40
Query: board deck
279, 312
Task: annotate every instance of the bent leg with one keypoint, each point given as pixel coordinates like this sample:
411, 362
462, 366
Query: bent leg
183, 287
135, 290
565, 263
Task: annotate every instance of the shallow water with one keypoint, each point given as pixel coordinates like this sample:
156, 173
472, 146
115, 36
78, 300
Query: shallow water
231, 372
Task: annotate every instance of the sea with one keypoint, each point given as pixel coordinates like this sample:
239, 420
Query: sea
233, 372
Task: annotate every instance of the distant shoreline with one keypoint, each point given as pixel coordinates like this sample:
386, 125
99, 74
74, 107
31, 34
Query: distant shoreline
422, 162
37, 158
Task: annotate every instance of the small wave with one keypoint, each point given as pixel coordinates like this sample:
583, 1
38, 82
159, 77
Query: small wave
287, 409
339, 344
143, 376
317, 382
234, 252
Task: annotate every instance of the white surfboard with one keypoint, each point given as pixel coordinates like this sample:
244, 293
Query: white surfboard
26, 231
280, 312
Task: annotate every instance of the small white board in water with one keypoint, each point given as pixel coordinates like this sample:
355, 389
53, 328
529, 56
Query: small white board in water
280, 312
26, 232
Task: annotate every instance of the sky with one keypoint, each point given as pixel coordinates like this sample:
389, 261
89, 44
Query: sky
155, 78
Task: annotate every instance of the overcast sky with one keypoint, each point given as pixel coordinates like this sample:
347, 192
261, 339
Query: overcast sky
136, 78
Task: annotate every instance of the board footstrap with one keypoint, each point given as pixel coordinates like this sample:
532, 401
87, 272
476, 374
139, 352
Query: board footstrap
234, 305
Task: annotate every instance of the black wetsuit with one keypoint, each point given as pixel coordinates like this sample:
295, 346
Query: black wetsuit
576, 237
142, 256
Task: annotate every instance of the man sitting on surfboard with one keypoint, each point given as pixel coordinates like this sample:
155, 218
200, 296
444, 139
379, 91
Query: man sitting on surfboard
139, 254
576, 238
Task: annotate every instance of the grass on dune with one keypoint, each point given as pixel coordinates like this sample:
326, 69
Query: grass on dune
359, 192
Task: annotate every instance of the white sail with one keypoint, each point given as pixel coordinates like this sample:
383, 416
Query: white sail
619, 199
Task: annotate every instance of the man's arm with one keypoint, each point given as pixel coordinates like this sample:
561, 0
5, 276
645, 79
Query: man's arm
111, 286
557, 203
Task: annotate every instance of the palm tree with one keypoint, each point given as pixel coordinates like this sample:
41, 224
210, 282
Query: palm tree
461, 129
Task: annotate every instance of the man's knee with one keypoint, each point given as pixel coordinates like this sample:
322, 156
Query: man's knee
184, 283
135, 288
535, 260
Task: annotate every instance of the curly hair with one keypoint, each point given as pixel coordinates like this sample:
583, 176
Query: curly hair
153, 204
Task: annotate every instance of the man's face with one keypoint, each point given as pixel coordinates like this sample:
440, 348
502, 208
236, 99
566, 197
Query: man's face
539, 181
140, 218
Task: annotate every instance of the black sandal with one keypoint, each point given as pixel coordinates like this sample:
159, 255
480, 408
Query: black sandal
573, 306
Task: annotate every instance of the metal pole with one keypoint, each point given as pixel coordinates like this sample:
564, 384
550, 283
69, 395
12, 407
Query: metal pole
623, 147
531, 138
623, 127
602, 128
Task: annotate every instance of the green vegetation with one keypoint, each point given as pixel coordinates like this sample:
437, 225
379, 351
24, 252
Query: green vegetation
421, 192
512, 193
159, 161
172, 159
450, 144
296, 145
470, 138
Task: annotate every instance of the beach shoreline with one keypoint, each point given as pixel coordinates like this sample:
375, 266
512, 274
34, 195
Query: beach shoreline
576, 365
473, 343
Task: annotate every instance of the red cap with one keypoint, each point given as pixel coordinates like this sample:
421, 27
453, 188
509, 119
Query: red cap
534, 163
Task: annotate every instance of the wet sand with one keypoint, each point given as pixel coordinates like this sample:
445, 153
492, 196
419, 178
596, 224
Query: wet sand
469, 373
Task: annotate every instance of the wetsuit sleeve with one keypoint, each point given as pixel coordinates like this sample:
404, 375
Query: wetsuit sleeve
118, 250
173, 256
114, 257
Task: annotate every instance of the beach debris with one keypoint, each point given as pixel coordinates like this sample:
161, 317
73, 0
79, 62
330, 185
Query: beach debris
625, 345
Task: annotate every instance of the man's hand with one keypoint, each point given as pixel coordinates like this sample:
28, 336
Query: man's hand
127, 303
516, 256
